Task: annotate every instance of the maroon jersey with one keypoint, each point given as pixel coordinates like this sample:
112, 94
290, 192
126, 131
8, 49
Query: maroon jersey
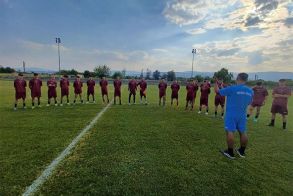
132, 86
205, 90
91, 86
104, 87
175, 87
52, 85
77, 87
20, 91
142, 85
190, 88
220, 100
281, 101
35, 85
162, 87
20, 85
64, 85
259, 96
117, 88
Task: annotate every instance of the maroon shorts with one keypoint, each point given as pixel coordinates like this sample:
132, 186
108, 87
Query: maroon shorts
77, 91
281, 109
20, 95
117, 93
189, 97
174, 96
52, 94
204, 101
132, 93
64, 92
142, 93
256, 104
162, 94
90, 92
36, 94
104, 92
220, 100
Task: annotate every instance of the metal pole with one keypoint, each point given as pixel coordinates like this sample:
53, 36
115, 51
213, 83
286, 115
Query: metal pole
192, 64
59, 56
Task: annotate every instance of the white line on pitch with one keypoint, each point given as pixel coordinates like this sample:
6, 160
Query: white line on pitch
50, 168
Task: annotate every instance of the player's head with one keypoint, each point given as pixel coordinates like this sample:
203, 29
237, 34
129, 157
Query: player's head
259, 83
65, 76
52, 76
242, 78
103, 77
36, 75
282, 82
118, 77
77, 77
20, 76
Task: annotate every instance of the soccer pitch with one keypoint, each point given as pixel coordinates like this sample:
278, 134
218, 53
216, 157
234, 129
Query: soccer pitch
138, 149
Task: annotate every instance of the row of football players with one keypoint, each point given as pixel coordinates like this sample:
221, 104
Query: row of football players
192, 87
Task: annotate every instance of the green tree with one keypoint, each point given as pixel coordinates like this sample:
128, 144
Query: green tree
199, 78
6, 70
117, 74
171, 75
224, 75
156, 75
86, 74
102, 71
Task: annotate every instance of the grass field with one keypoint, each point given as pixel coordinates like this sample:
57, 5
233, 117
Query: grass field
139, 150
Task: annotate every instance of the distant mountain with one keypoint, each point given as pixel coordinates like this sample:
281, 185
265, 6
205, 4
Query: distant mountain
273, 76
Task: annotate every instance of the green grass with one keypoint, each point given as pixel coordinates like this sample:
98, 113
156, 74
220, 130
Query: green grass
139, 149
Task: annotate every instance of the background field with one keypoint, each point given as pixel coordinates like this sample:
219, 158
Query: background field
139, 149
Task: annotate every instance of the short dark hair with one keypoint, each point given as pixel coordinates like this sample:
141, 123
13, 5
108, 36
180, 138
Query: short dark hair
282, 80
20, 74
259, 83
65, 76
243, 77
77, 76
36, 74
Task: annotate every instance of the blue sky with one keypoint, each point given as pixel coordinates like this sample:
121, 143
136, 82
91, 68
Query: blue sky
241, 35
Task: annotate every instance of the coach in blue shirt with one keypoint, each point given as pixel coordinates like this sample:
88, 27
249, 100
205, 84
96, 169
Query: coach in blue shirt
238, 99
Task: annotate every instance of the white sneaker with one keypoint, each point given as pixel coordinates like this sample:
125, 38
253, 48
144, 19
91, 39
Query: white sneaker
33, 107
15, 109
206, 113
61, 104
56, 104
87, 102
39, 106
199, 112
68, 103
24, 107
129, 104
48, 105
94, 102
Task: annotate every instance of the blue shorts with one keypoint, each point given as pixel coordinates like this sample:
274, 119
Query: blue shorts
235, 123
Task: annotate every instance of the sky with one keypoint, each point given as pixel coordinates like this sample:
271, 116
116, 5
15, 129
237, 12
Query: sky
241, 35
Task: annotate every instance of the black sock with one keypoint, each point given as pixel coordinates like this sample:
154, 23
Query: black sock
248, 115
81, 101
200, 109
67, 100
15, 105
33, 104
242, 149
222, 114
230, 151
55, 101
74, 101
273, 122
39, 103
216, 113
207, 111
284, 125
23, 104
49, 102
256, 116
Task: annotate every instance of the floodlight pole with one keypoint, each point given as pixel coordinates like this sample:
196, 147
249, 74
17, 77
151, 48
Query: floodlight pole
58, 41
193, 53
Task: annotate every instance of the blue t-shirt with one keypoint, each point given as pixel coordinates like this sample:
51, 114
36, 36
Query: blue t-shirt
238, 98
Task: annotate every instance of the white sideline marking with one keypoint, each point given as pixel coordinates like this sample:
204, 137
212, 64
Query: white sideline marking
50, 168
